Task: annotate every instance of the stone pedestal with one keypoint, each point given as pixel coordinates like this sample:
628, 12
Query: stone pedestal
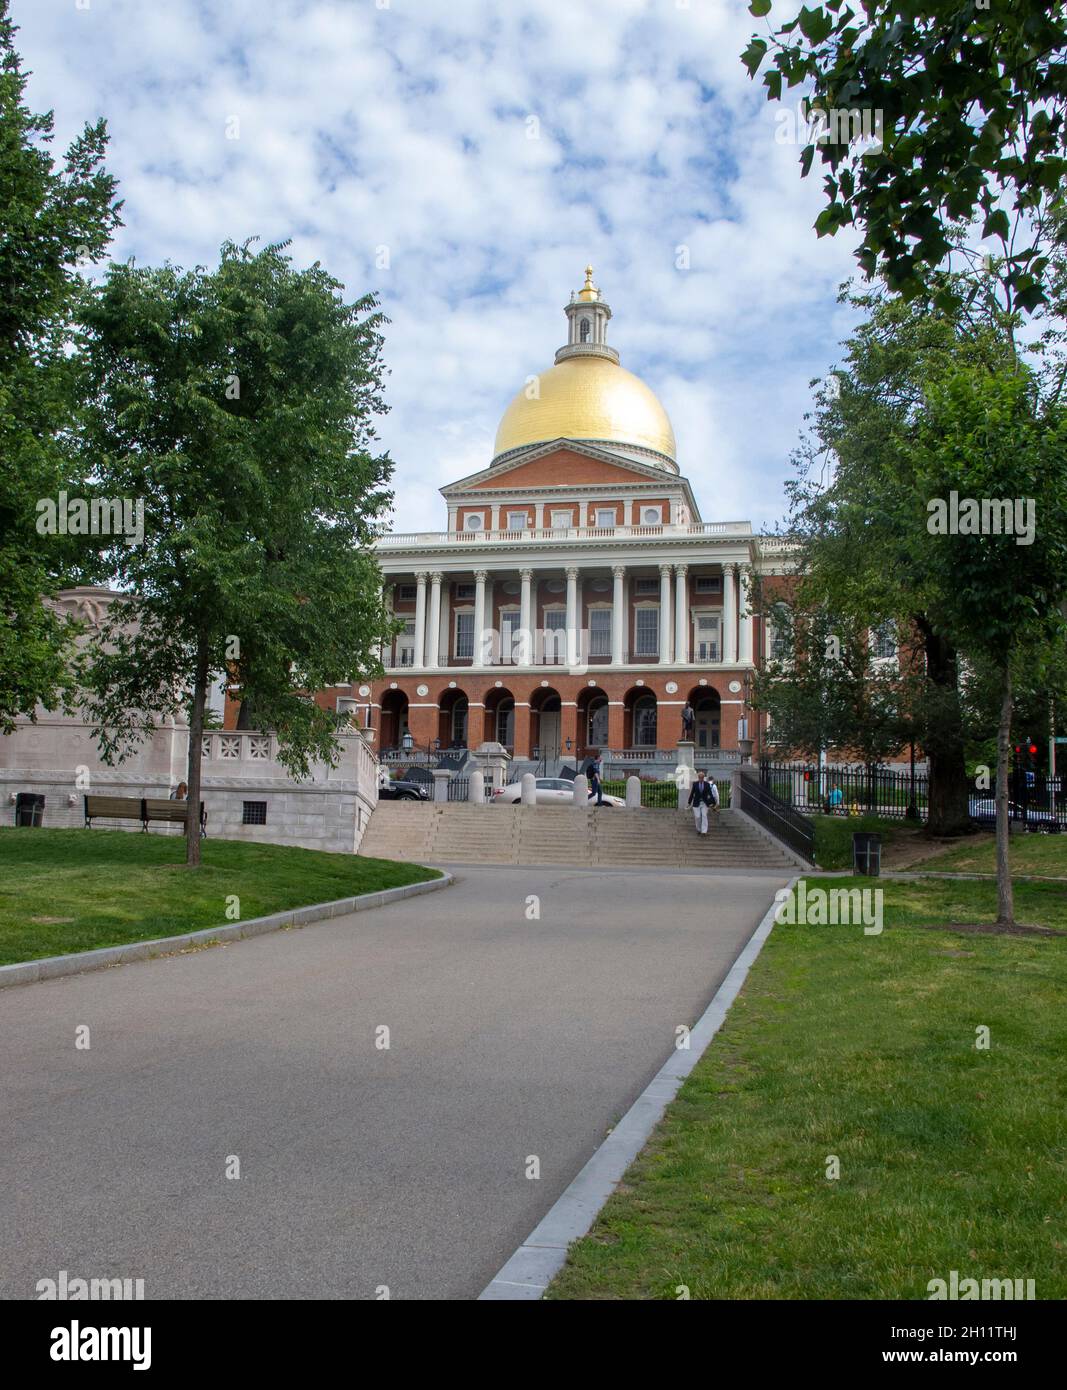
476, 794
581, 792
495, 759
529, 789
745, 748
633, 793
441, 779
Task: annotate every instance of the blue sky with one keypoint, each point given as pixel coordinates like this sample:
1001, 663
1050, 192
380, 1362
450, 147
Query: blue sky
494, 149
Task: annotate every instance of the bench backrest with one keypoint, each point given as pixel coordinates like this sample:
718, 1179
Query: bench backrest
157, 809
115, 806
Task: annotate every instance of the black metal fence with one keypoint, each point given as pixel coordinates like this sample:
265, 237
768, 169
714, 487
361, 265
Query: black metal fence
783, 820
1037, 801
847, 791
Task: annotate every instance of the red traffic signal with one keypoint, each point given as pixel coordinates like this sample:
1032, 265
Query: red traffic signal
1033, 750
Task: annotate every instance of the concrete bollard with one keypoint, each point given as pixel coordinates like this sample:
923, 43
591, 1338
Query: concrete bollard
529, 789
581, 791
633, 793
476, 792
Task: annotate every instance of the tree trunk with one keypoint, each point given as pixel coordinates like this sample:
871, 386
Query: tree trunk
948, 812
196, 753
1005, 897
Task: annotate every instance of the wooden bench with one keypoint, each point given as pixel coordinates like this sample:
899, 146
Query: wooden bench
142, 808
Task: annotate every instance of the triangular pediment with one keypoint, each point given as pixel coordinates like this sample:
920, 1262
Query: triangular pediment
562, 463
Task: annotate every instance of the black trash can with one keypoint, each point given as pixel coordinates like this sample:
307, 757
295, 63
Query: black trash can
866, 853
29, 808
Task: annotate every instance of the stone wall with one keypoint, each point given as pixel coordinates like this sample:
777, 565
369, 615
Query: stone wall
329, 810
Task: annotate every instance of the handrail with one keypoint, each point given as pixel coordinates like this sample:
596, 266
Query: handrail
777, 816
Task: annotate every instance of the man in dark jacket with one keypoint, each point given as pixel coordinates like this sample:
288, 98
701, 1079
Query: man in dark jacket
702, 794
594, 770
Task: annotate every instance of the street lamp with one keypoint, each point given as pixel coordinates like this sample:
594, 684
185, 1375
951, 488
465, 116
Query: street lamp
568, 745
407, 742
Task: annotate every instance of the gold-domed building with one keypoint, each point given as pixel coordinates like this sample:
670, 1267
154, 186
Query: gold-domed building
587, 395
577, 599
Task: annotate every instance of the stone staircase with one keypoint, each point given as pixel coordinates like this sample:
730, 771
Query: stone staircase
459, 833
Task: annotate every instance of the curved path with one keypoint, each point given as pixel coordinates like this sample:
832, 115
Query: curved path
511, 1035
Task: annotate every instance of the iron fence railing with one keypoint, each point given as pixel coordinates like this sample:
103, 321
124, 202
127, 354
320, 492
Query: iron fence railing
783, 821
847, 790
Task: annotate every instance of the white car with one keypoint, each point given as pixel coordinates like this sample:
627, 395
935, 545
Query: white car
551, 791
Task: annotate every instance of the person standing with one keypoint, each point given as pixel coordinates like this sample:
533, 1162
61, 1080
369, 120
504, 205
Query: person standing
702, 794
594, 770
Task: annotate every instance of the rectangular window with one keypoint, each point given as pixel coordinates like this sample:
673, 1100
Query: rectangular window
554, 638
517, 521
464, 636
707, 584
509, 626
884, 642
405, 592
605, 516
646, 586
463, 591
255, 813
646, 633
561, 520
707, 625
405, 645
600, 632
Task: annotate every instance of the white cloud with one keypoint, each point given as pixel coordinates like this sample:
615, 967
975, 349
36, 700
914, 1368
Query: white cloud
408, 127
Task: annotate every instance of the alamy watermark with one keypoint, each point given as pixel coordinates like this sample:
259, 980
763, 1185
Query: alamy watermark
985, 516
99, 516
840, 125
819, 907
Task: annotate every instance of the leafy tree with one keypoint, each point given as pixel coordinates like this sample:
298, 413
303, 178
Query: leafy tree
972, 100
51, 218
852, 505
238, 404
998, 595
828, 694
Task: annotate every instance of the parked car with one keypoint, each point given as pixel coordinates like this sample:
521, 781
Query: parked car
983, 810
401, 790
551, 791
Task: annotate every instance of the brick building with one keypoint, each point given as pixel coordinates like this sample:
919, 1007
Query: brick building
577, 598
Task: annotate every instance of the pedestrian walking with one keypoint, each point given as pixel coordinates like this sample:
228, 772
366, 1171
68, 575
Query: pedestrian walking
702, 794
594, 770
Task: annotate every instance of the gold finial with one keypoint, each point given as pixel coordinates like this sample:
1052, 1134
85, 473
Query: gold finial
589, 290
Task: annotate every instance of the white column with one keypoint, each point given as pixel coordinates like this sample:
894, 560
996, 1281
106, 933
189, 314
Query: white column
572, 617
681, 615
618, 615
664, 615
539, 516
479, 617
525, 654
744, 634
728, 628
420, 618
433, 631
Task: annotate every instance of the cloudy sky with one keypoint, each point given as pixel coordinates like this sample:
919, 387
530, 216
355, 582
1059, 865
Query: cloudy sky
492, 148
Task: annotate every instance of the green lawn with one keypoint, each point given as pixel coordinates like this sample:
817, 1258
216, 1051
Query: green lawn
73, 890
1030, 854
861, 1047
833, 836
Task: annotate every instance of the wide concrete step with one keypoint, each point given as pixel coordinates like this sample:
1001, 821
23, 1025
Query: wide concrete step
458, 832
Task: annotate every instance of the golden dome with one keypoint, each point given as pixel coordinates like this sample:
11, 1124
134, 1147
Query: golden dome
588, 398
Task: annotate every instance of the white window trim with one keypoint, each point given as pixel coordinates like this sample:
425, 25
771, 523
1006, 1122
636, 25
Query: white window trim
598, 512
656, 507
474, 521
457, 613
522, 516
653, 604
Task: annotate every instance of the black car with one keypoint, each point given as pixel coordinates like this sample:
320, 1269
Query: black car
404, 791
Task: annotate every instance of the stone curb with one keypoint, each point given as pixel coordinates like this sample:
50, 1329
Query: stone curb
533, 1266
52, 967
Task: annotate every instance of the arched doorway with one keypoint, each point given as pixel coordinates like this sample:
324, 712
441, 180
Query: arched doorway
453, 719
640, 718
394, 719
500, 718
707, 706
592, 718
545, 722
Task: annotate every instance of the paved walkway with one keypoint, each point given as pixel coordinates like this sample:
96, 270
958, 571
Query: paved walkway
359, 1167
